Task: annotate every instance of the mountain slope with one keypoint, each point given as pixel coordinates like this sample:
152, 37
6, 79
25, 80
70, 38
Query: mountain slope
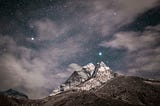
83, 98
133, 90
122, 90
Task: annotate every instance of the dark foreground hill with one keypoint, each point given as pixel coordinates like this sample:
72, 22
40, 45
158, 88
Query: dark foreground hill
119, 91
14, 94
133, 90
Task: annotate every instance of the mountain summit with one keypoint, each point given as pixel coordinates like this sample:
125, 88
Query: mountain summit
88, 77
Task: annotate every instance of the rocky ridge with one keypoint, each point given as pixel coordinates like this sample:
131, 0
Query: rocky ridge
89, 77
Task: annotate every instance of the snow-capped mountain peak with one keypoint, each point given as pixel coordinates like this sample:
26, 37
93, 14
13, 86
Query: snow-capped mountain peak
89, 66
102, 64
90, 76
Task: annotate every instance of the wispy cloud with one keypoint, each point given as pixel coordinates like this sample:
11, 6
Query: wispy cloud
49, 30
134, 41
143, 51
106, 17
36, 71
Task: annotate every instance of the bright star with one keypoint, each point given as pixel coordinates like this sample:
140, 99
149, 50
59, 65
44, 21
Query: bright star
32, 38
100, 53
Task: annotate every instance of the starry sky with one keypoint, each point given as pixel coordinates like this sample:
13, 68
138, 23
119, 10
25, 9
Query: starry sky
43, 41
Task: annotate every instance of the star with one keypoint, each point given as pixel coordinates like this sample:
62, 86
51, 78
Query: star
100, 53
32, 38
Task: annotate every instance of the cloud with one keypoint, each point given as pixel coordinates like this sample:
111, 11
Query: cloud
49, 30
69, 70
15, 74
143, 49
132, 41
74, 67
144, 63
106, 17
33, 71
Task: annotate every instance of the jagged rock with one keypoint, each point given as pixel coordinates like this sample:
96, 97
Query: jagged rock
101, 75
88, 77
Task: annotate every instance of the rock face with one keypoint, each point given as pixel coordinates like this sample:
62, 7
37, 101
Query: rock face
89, 77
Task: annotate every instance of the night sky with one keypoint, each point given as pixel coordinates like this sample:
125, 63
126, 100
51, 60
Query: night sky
43, 41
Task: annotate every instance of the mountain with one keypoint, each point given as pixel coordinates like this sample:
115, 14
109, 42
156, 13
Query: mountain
15, 98
14, 94
97, 85
118, 91
89, 77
